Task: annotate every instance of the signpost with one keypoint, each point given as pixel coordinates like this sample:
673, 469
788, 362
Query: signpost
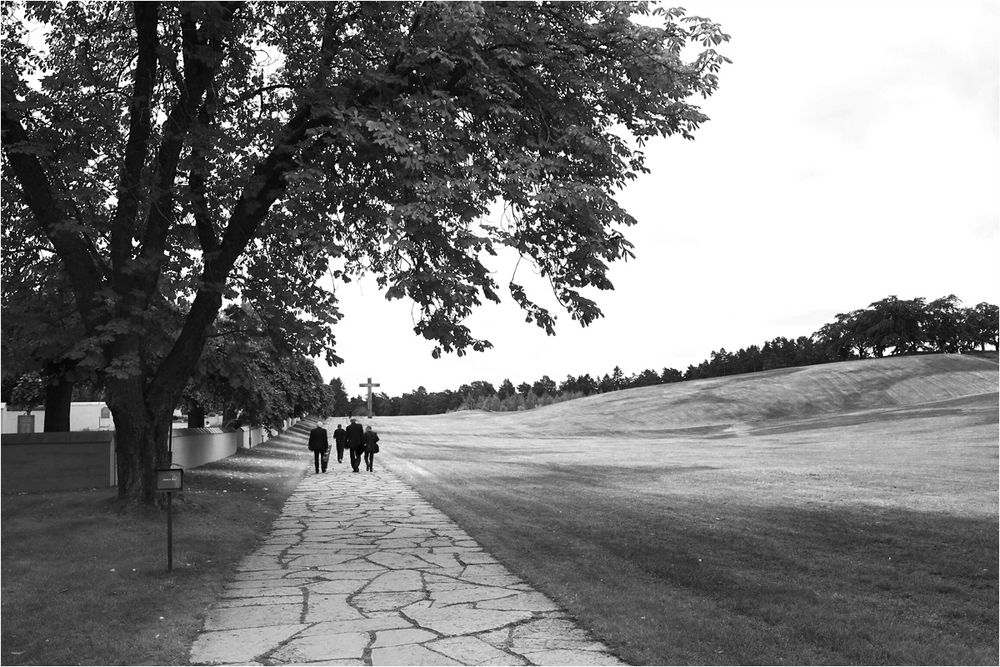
170, 480
369, 384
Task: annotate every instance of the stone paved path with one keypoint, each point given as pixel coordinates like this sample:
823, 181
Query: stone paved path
360, 570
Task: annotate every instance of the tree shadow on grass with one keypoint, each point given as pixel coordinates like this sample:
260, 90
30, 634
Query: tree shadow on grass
668, 579
268, 473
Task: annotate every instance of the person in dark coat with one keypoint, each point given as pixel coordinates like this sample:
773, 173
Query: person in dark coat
355, 442
319, 444
371, 448
340, 438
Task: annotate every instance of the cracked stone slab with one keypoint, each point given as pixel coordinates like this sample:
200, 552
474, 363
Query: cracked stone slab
360, 570
396, 580
330, 587
520, 600
470, 594
239, 646
459, 620
411, 654
473, 651
323, 647
368, 602
547, 635
330, 608
234, 618
261, 592
398, 561
395, 622
570, 657
402, 637
258, 602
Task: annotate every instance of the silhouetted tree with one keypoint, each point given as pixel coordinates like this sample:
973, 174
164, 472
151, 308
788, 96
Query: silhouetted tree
892, 323
341, 405
982, 325
506, 389
671, 375
545, 385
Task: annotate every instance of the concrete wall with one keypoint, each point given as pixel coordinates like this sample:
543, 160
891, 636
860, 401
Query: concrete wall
252, 436
35, 462
193, 447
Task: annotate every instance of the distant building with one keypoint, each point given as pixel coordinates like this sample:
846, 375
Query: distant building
83, 416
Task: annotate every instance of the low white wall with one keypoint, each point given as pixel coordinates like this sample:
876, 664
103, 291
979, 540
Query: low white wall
61, 461
193, 447
251, 437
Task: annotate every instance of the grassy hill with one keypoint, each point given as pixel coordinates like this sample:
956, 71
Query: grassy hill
751, 400
843, 513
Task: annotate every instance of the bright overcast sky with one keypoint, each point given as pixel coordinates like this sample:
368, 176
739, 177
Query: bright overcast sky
852, 154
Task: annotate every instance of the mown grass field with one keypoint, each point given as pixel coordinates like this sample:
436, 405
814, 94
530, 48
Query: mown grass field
840, 514
85, 581
835, 514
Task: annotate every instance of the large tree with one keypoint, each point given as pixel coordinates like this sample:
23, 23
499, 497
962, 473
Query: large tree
246, 371
178, 156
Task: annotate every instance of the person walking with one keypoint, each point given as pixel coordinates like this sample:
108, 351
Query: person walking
319, 445
371, 448
355, 442
340, 438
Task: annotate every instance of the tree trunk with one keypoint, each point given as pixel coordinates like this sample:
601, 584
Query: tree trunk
58, 402
141, 432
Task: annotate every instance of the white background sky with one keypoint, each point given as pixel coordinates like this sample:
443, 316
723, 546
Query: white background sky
852, 154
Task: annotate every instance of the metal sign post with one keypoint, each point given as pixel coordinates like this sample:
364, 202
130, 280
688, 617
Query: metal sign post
170, 480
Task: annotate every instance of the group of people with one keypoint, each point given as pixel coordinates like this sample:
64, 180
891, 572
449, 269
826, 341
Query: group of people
361, 444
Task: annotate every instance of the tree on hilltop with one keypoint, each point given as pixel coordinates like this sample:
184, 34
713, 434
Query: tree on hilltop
671, 375
982, 324
177, 157
892, 323
506, 389
544, 385
646, 378
944, 324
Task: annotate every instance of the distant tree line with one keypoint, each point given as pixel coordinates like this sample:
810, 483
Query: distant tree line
890, 326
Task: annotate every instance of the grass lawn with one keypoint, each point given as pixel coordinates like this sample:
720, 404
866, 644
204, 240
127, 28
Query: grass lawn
86, 582
823, 537
832, 515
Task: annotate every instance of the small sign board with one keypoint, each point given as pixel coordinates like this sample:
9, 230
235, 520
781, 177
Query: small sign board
26, 423
169, 479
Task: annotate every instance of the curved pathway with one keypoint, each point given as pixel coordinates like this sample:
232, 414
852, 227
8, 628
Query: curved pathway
360, 570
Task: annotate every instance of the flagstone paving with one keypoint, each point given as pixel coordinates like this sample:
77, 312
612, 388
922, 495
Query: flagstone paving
360, 570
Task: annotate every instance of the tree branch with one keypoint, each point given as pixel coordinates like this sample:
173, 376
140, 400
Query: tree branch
140, 127
264, 186
253, 93
202, 56
73, 247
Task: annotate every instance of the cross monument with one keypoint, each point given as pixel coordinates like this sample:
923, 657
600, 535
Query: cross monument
369, 384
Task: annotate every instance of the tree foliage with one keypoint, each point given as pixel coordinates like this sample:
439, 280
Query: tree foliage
176, 157
247, 373
28, 393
